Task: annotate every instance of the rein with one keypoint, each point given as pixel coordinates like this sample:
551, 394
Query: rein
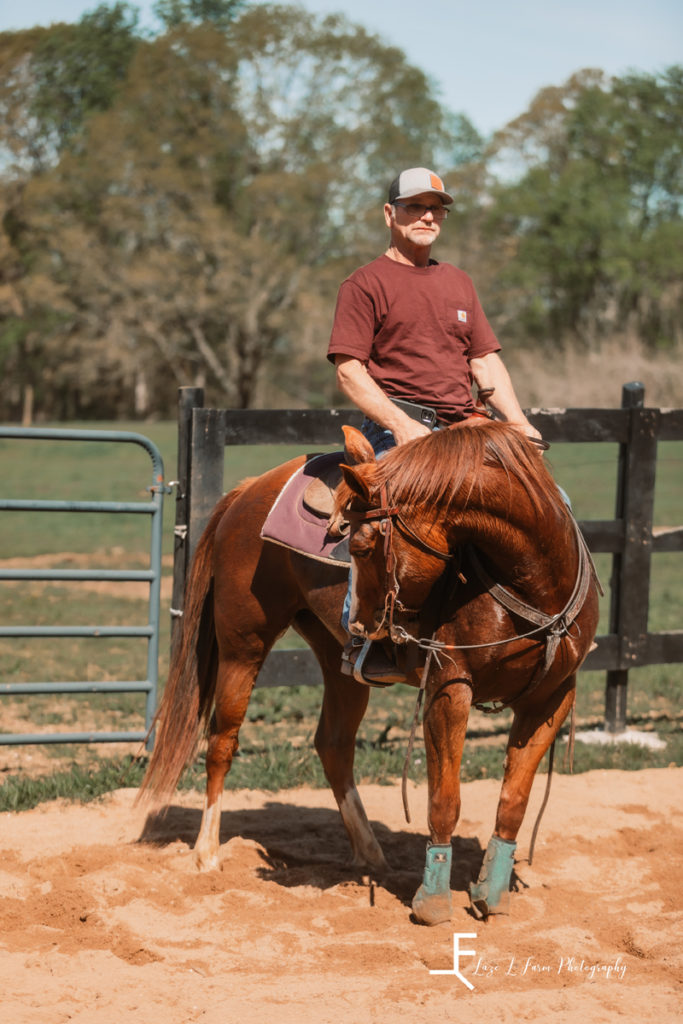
554, 627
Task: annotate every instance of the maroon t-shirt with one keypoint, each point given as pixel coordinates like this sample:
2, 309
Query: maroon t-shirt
415, 329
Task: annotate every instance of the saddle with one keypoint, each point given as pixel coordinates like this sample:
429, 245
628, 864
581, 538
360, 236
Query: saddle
301, 516
318, 497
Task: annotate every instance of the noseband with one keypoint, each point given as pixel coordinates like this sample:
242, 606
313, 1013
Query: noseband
388, 516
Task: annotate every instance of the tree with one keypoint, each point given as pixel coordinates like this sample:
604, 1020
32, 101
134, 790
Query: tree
174, 13
594, 223
56, 78
79, 68
206, 216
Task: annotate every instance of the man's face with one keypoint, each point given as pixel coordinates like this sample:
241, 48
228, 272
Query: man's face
413, 228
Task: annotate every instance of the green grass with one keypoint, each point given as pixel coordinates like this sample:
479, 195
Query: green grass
272, 765
276, 741
82, 783
79, 471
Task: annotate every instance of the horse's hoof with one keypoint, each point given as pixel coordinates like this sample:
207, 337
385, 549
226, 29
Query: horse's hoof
432, 908
481, 908
490, 894
375, 866
205, 860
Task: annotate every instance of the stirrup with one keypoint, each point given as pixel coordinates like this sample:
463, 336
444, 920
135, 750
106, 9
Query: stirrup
355, 668
358, 663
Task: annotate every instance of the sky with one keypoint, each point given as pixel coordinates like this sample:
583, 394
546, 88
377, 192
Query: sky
487, 59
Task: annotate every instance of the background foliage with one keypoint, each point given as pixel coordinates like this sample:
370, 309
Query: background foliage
180, 208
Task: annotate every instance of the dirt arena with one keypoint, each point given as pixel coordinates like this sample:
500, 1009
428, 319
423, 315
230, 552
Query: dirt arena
103, 917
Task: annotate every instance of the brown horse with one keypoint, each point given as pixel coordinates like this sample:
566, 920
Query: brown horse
462, 534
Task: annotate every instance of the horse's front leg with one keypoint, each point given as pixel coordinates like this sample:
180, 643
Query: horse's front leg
343, 708
445, 725
344, 704
533, 730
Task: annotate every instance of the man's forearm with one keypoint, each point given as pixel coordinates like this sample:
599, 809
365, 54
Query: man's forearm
355, 382
491, 372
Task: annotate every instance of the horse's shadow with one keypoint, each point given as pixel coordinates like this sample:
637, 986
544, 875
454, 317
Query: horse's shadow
308, 846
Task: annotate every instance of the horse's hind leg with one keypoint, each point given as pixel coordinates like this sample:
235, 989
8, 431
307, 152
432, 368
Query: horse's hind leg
250, 612
344, 704
533, 730
234, 684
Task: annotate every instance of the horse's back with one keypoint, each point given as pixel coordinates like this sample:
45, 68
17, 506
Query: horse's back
252, 576
250, 502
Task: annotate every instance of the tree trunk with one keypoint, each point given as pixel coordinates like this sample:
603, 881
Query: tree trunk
27, 410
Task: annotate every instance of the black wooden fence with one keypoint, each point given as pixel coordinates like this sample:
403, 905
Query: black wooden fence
631, 538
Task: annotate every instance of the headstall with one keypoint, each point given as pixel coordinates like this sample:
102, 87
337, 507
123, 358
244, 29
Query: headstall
388, 515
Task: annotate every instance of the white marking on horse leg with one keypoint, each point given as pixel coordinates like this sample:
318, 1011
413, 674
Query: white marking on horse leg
205, 854
366, 849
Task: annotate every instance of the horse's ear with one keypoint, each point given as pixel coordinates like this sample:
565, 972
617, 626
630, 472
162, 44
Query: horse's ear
354, 478
357, 448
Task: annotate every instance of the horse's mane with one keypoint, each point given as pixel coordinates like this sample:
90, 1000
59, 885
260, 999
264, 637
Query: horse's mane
433, 470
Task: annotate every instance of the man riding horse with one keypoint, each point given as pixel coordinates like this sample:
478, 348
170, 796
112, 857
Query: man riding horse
476, 508
408, 339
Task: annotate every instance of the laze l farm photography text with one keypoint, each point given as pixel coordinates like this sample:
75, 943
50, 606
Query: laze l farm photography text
530, 966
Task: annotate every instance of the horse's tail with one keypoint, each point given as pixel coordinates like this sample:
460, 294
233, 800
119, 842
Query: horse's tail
189, 693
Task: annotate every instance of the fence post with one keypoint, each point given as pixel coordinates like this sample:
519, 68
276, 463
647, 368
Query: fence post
630, 581
188, 399
207, 456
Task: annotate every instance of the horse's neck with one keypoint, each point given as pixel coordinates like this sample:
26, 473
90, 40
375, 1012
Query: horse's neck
504, 543
523, 552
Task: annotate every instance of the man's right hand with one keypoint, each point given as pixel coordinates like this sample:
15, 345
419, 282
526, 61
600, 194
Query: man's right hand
408, 430
355, 382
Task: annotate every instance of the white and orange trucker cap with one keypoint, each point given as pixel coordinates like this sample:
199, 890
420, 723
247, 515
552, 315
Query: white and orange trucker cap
416, 180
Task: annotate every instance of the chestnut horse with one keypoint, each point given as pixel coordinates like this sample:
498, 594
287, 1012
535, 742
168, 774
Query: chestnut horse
461, 534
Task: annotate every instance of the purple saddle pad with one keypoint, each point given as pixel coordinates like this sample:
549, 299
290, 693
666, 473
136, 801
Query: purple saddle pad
294, 525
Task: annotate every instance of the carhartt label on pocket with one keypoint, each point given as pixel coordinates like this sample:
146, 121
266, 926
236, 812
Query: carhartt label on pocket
462, 316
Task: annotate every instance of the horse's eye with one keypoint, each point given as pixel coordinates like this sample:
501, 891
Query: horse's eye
362, 542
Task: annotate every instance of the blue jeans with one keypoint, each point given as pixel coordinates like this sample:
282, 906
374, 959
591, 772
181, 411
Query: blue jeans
382, 441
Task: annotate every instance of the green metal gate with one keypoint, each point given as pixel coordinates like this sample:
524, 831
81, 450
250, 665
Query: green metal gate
152, 575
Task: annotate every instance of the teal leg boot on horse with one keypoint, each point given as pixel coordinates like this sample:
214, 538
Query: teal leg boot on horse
432, 901
490, 894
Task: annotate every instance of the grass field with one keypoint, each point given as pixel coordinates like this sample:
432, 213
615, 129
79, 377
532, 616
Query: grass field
277, 737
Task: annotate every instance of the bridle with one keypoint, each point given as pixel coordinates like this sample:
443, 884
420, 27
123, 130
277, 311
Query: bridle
390, 516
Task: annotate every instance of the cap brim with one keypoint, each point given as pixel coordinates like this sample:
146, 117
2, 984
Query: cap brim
444, 196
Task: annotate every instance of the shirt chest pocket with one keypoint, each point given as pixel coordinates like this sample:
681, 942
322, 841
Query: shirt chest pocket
456, 320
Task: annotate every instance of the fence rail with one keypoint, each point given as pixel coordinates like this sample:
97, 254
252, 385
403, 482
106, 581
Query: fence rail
630, 538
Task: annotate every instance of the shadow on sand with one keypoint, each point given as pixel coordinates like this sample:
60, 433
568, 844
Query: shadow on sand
308, 846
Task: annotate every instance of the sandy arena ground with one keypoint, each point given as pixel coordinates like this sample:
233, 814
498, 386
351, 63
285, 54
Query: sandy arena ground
103, 917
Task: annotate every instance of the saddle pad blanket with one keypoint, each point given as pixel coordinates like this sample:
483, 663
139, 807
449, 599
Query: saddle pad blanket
293, 525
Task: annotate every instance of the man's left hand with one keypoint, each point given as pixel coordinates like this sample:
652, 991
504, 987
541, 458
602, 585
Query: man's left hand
528, 431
